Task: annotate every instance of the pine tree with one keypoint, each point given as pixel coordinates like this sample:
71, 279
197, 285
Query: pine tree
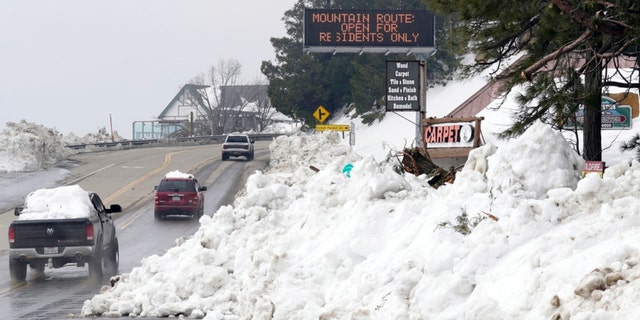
558, 50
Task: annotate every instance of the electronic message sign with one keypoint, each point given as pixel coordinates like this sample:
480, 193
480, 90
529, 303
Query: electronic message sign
334, 30
404, 86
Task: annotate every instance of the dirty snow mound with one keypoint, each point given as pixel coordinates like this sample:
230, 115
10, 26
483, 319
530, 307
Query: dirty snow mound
26, 146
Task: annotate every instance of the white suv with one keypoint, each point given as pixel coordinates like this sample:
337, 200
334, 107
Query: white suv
237, 145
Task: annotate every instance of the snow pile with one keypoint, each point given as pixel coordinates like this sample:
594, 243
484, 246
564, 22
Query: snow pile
524, 176
67, 202
100, 136
301, 244
28, 147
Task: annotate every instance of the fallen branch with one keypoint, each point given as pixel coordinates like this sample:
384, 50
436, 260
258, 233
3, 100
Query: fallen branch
492, 217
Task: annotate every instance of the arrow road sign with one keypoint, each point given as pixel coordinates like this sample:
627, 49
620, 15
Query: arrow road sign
321, 114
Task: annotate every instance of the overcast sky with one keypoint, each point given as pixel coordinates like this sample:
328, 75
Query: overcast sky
70, 64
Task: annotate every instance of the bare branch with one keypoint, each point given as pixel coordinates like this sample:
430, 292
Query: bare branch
528, 72
617, 53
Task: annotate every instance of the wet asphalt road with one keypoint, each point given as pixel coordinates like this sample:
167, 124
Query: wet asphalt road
60, 293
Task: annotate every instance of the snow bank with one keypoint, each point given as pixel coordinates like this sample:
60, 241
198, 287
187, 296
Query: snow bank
301, 244
27, 147
100, 136
512, 171
65, 202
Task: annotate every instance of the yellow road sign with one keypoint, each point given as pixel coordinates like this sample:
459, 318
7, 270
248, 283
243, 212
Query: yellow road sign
321, 114
334, 127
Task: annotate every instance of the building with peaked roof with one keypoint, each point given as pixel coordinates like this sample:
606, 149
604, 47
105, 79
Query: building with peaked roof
234, 96
186, 107
187, 104
242, 108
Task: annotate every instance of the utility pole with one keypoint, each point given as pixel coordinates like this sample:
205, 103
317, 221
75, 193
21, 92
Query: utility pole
111, 128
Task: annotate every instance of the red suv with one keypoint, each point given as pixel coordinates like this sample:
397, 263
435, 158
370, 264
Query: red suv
179, 194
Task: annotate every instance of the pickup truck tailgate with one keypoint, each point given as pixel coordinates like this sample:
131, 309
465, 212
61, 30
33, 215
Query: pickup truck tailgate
51, 233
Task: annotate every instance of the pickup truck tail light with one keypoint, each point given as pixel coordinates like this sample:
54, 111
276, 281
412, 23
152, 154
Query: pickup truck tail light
12, 235
90, 232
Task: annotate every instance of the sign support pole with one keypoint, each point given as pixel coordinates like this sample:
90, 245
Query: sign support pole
422, 114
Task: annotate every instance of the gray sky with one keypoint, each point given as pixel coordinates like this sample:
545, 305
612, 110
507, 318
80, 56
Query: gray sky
69, 64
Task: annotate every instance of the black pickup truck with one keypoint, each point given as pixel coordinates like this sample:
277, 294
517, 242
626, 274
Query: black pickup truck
62, 226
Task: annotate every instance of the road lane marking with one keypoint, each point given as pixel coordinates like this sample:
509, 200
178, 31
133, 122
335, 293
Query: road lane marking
134, 217
167, 161
11, 288
89, 174
131, 218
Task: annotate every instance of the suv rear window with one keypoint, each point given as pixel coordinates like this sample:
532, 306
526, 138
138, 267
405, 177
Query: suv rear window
236, 139
177, 186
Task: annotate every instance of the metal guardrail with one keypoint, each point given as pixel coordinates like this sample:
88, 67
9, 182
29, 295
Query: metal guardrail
214, 139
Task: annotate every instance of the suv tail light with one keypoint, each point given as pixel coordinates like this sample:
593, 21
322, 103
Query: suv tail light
192, 197
12, 235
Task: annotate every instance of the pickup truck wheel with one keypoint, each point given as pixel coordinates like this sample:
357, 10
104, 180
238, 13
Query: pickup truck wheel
112, 261
18, 270
95, 264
